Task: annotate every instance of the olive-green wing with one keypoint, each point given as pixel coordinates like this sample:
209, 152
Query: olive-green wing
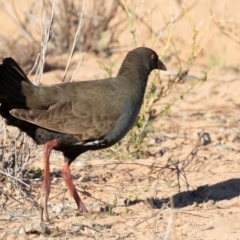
87, 119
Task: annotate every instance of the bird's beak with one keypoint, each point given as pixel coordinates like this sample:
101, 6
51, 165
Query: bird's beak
161, 66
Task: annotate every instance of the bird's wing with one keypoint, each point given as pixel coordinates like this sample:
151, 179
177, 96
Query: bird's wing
86, 119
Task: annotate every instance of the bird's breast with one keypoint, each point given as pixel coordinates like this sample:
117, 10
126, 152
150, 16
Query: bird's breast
125, 122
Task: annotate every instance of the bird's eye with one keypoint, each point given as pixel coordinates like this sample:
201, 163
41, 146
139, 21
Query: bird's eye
153, 56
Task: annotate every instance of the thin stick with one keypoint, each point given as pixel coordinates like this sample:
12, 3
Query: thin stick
77, 34
152, 216
179, 15
34, 66
44, 42
78, 66
8, 196
170, 220
14, 178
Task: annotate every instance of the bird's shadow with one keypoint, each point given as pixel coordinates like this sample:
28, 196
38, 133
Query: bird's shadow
225, 190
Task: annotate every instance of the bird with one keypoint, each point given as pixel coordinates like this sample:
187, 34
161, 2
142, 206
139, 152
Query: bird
75, 117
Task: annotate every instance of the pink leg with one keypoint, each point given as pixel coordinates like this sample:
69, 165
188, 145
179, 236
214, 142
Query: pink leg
46, 186
68, 180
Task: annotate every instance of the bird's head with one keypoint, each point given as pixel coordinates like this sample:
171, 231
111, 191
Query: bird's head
142, 60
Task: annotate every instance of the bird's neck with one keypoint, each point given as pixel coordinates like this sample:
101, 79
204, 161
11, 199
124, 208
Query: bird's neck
134, 75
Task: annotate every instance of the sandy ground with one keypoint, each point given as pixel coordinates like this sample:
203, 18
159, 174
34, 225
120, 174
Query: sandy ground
188, 185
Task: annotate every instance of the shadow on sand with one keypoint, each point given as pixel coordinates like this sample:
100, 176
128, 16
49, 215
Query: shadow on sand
225, 190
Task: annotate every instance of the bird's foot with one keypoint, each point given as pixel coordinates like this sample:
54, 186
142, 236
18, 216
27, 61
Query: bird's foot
43, 211
42, 201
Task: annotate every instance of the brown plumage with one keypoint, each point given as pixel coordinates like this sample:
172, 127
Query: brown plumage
76, 117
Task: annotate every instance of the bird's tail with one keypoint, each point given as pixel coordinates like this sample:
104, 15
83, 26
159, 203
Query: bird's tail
11, 80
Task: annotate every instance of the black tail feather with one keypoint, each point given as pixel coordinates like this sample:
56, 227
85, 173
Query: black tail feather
11, 96
11, 78
10, 62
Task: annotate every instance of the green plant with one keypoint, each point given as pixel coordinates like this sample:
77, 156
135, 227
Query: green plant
110, 207
107, 69
133, 145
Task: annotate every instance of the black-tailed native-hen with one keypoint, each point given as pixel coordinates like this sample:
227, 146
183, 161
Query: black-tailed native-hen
76, 117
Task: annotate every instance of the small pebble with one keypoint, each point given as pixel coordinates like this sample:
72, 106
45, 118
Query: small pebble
57, 208
152, 141
210, 202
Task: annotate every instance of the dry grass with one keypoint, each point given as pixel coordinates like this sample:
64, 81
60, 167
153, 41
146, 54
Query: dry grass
97, 29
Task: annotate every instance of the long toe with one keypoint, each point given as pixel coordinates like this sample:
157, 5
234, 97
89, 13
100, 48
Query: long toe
43, 211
